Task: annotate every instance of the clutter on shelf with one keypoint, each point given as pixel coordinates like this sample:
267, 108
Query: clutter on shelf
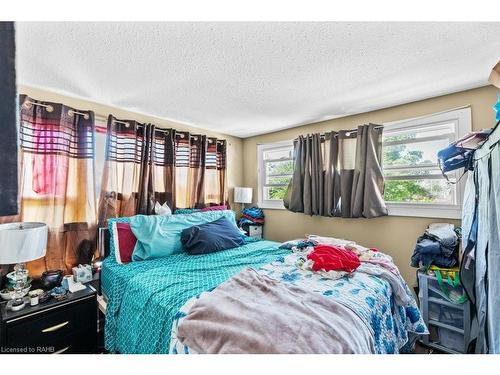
437, 246
251, 216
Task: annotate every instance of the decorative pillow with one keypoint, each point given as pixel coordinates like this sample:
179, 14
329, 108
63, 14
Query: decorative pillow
160, 236
211, 237
124, 242
214, 208
162, 209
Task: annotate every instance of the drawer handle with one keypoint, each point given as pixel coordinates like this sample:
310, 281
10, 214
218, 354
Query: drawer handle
55, 328
62, 350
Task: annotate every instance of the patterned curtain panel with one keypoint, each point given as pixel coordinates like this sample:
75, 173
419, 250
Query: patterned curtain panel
200, 171
338, 174
145, 164
126, 187
57, 179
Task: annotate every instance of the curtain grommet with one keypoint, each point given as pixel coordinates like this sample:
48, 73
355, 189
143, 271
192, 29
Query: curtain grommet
72, 113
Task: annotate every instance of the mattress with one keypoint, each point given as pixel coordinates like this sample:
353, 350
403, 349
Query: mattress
145, 297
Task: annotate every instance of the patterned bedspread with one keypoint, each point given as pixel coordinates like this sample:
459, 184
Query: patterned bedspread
147, 300
144, 297
367, 295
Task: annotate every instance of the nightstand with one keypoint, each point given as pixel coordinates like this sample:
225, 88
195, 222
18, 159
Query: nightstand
68, 326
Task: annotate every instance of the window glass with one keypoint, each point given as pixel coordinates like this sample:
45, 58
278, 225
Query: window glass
275, 172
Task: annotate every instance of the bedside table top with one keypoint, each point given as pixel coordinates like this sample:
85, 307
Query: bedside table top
49, 305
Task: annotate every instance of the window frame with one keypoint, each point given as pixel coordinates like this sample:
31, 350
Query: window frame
261, 173
463, 119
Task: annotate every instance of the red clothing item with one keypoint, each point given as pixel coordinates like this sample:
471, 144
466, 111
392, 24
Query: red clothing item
333, 258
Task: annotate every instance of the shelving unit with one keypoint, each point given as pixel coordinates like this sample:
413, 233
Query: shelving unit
448, 322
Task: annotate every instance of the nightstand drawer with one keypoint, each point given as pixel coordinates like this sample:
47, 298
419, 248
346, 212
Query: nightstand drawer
53, 328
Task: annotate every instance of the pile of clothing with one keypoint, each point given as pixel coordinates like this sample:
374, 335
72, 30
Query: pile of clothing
335, 258
437, 246
252, 216
331, 257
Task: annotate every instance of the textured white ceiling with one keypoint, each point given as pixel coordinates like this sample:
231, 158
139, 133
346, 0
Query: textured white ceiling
245, 79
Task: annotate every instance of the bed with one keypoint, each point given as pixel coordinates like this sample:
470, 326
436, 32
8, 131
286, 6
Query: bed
148, 300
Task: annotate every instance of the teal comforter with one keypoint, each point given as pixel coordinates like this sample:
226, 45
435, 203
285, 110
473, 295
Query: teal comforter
144, 297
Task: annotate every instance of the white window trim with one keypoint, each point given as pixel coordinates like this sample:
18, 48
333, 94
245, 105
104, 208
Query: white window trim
463, 118
266, 203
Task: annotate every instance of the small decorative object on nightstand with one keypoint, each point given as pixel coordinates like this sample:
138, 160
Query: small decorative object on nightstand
20, 243
56, 326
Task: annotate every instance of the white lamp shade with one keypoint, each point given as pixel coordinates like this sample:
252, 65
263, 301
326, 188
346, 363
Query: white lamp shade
22, 242
242, 195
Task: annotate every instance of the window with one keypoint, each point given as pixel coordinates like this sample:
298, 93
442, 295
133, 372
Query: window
414, 184
275, 170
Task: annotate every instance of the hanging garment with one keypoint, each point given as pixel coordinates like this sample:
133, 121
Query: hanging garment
496, 108
460, 153
481, 230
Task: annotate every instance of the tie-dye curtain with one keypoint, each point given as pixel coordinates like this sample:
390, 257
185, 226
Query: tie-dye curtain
146, 164
57, 178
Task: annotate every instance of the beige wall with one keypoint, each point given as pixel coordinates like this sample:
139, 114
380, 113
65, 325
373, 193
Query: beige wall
234, 148
393, 235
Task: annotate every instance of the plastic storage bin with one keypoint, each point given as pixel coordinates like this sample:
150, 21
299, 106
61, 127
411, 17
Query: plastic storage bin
448, 322
451, 340
446, 314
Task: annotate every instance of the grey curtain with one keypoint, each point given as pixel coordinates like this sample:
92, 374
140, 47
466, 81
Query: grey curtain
338, 174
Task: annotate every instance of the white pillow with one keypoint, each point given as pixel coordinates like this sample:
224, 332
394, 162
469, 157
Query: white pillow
163, 210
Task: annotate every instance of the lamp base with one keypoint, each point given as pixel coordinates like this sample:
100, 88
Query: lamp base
16, 305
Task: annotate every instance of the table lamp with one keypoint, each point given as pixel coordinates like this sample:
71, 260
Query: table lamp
242, 195
20, 243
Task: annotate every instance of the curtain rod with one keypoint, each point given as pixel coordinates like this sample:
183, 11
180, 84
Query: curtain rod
161, 130
348, 132
49, 108
71, 112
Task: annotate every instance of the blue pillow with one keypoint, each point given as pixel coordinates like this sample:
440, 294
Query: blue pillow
211, 237
159, 236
